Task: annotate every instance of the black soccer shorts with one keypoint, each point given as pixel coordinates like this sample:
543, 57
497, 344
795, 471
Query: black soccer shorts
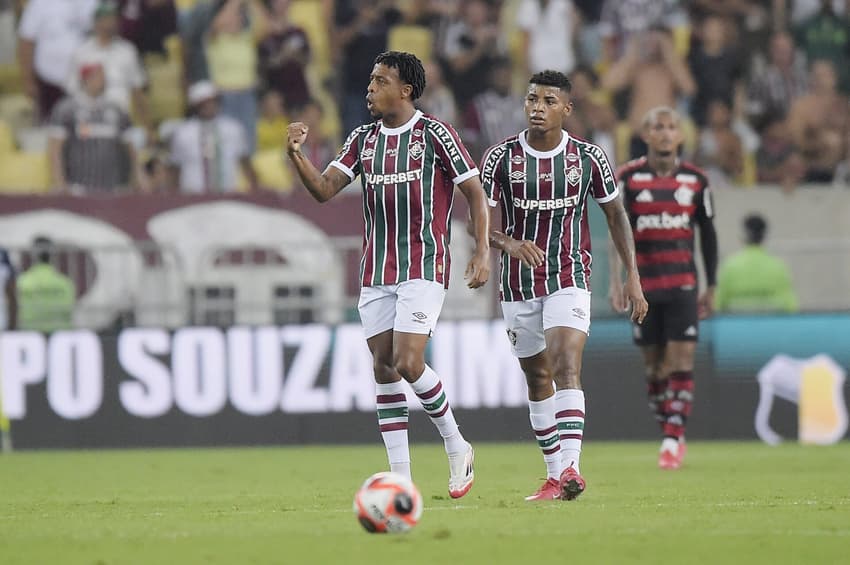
672, 316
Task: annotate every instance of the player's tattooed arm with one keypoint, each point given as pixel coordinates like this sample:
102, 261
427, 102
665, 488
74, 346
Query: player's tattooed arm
526, 251
323, 186
621, 234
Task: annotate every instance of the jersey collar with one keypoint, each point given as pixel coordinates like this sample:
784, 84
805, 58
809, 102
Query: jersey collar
565, 138
402, 128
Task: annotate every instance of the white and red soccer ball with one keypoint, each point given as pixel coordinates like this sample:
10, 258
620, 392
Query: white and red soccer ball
388, 503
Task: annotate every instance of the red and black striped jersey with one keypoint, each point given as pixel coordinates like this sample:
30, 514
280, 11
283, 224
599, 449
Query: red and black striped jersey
543, 196
408, 176
663, 211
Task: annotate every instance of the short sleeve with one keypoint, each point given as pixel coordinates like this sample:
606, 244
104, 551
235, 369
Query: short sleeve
240, 140
178, 155
603, 186
348, 159
28, 28
451, 152
491, 174
138, 78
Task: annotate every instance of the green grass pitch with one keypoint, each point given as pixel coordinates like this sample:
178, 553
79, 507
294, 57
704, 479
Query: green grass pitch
731, 503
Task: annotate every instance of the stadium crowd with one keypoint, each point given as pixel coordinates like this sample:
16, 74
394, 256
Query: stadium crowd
195, 95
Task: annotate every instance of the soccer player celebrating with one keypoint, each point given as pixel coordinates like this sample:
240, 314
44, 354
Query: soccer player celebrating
542, 179
666, 198
408, 164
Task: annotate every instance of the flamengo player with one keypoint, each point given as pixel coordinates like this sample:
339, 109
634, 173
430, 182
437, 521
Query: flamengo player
408, 164
542, 179
666, 198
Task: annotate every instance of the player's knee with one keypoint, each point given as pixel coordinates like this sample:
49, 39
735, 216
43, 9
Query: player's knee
409, 366
539, 380
566, 374
384, 371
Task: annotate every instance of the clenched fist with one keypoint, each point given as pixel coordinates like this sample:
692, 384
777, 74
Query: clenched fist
296, 135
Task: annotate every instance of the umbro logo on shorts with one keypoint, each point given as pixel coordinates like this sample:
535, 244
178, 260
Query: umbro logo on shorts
579, 313
420, 315
512, 337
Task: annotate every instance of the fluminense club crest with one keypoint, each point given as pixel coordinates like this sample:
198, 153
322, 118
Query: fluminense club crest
573, 175
416, 149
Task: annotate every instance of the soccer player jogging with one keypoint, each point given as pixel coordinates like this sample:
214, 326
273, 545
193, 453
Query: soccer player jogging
542, 179
408, 165
666, 199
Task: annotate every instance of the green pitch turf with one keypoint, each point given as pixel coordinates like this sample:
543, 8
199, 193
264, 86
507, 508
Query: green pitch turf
731, 503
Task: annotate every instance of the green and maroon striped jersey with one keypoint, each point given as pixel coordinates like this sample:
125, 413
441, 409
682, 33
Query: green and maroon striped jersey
543, 196
408, 176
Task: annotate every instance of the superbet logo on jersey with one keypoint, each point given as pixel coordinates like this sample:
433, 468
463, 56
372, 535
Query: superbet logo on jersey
663, 221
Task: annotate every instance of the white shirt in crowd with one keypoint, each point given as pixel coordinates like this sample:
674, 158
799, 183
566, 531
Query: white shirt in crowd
208, 154
550, 34
56, 27
121, 66
801, 10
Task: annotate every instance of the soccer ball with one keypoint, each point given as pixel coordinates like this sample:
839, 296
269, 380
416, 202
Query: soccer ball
388, 503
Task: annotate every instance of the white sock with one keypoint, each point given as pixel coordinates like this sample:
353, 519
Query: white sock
670, 444
430, 391
392, 421
569, 413
542, 416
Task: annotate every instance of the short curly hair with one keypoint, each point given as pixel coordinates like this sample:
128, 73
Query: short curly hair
410, 69
552, 78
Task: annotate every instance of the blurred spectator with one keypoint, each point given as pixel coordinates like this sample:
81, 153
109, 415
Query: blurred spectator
319, 148
656, 76
437, 100
775, 84
717, 67
272, 125
801, 10
9, 296
720, 150
231, 50
622, 20
778, 161
125, 77
193, 24
208, 149
46, 297
819, 123
548, 30
592, 117
147, 23
49, 33
157, 176
752, 280
495, 114
361, 33
471, 45
284, 54
89, 145
589, 39
826, 35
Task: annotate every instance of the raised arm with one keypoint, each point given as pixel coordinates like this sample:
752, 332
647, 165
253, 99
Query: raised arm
323, 186
621, 234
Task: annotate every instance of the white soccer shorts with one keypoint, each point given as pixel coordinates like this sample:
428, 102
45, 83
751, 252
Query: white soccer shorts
528, 320
411, 306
